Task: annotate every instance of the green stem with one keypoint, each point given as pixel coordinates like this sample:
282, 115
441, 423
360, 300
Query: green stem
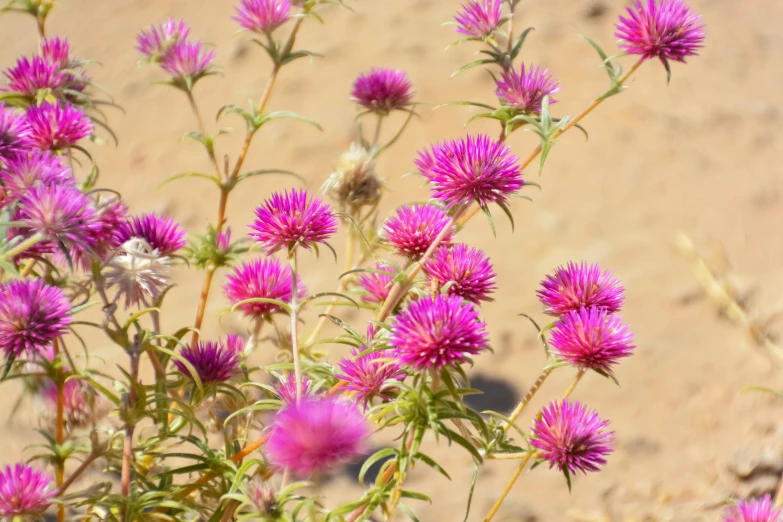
24, 245
295, 322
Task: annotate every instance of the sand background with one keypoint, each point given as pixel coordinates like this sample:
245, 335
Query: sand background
700, 156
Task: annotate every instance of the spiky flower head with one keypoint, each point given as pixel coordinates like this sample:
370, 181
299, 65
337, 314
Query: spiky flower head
263, 278
376, 284
63, 214
55, 126
479, 18
315, 434
14, 133
467, 269
57, 51
34, 168
754, 510
292, 219
286, 387
32, 315
354, 183
78, 403
138, 272
31, 75
592, 339
262, 16
214, 361
382, 90
437, 332
156, 42
370, 375
571, 437
187, 62
580, 285
524, 90
474, 168
161, 232
24, 491
413, 229
664, 29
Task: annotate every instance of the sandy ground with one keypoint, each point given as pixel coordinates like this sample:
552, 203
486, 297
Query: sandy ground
699, 156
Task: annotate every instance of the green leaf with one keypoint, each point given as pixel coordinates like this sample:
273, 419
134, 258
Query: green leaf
276, 302
211, 178
507, 211
518, 43
471, 65
135, 317
405, 509
431, 463
668, 67
264, 172
376, 457
332, 294
487, 213
473, 104
413, 494
568, 478
604, 59
286, 115
472, 489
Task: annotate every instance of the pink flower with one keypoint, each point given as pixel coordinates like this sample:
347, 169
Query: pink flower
31, 169
286, 387
376, 284
370, 375
754, 510
292, 219
437, 332
571, 437
14, 133
78, 412
479, 18
575, 286
61, 213
260, 278
214, 361
161, 232
29, 76
413, 228
316, 434
155, 42
188, 61
525, 90
32, 315
474, 168
467, 269
262, 16
55, 126
591, 338
383, 90
664, 29
24, 491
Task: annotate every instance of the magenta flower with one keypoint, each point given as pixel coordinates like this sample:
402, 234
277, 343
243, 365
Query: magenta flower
55, 127
14, 133
370, 375
437, 332
32, 315
383, 90
260, 278
78, 412
575, 286
467, 269
24, 491
316, 434
479, 18
754, 510
188, 60
32, 169
286, 387
161, 233
29, 76
214, 361
571, 437
61, 213
376, 284
474, 168
525, 90
262, 16
592, 338
414, 228
664, 29
56, 51
155, 42
223, 241
292, 219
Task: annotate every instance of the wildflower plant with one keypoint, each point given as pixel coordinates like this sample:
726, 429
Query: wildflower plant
210, 436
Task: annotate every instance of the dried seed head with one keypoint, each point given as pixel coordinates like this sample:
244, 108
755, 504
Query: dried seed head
138, 271
354, 182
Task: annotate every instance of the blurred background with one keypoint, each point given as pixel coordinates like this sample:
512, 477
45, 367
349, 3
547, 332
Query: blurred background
700, 156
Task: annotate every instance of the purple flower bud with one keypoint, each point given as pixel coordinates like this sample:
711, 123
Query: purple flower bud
214, 361
188, 60
377, 285
156, 41
383, 90
575, 286
370, 375
161, 233
262, 16
525, 90
479, 18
